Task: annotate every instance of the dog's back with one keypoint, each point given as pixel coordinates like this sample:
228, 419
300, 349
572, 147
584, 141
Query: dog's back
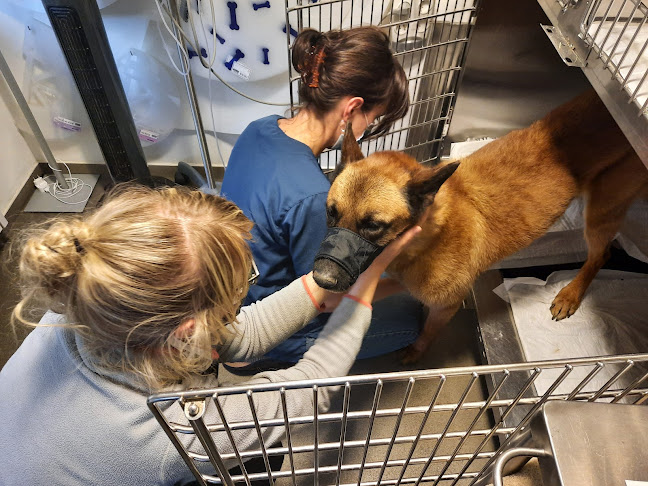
579, 138
586, 135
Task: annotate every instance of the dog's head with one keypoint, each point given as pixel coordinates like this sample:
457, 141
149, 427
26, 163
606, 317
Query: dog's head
371, 202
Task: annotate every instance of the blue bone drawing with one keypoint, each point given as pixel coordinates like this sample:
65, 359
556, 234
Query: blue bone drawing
232, 8
265, 55
220, 39
293, 32
237, 55
257, 6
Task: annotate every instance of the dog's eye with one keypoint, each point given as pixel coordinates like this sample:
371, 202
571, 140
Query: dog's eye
374, 225
372, 228
331, 215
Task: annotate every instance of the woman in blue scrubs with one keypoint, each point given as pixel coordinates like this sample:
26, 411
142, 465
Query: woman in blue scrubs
274, 174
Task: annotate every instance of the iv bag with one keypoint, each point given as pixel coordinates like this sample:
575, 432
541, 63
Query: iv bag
153, 96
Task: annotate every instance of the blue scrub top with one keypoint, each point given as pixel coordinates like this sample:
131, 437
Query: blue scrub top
277, 182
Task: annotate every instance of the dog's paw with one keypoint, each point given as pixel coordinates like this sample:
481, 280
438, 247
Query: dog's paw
411, 354
565, 303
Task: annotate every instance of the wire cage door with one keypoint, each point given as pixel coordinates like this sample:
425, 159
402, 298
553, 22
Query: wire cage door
617, 34
430, 38
608, 40
429, 426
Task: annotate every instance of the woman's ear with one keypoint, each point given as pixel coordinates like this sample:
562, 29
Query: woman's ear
185, 329
351, 105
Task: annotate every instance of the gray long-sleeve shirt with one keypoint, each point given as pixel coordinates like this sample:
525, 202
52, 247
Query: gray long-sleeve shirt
67, 422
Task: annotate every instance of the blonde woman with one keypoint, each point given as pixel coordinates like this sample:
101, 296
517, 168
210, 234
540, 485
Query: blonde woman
143, 296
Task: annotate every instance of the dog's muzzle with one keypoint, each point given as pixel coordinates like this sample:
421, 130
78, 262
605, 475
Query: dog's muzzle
342, 257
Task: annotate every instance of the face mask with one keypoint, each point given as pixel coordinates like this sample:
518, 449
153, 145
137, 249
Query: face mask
338, 144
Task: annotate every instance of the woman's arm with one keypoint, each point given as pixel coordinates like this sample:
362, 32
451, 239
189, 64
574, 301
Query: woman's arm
261, 326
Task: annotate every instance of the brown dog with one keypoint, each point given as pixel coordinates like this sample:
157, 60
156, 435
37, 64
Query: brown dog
497, 201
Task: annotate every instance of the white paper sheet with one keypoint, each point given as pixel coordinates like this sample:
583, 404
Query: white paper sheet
612, 319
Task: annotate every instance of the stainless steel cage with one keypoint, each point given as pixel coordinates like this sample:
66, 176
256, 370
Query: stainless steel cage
430, 39
427, 426
608, 39
617, 33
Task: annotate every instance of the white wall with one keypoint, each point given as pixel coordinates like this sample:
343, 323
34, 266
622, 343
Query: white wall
130, 24
16, 160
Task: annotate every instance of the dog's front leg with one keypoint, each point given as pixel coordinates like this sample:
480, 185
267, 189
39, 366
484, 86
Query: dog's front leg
438, 316
609, 196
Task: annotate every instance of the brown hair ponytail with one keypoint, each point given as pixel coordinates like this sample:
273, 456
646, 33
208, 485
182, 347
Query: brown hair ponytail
309, 51
354, 62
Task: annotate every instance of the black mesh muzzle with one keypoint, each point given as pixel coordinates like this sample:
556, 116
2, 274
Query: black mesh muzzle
350, 251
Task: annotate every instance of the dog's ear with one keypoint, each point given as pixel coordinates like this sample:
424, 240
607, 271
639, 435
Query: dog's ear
424, 185
350, 150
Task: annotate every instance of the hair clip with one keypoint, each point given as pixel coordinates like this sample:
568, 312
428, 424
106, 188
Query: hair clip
78, 246
319, 59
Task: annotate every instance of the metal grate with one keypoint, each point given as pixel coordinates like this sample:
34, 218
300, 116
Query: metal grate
80, 32
616, 32
429, 37
432, 426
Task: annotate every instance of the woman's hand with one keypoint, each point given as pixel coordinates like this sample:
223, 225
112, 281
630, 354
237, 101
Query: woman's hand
328, 300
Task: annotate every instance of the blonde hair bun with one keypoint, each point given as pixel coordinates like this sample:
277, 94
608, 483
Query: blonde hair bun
51, 259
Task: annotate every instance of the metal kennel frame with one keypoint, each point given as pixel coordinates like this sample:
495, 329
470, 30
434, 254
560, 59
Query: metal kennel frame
429, 426
608, 40
430, 38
